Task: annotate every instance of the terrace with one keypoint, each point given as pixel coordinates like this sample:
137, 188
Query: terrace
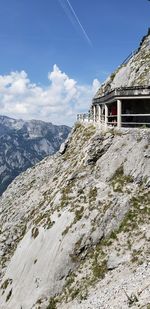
121, 107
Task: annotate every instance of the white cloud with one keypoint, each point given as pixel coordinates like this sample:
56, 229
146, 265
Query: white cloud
58, 103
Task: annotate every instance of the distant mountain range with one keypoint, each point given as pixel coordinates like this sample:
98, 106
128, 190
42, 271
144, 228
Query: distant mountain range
24, 143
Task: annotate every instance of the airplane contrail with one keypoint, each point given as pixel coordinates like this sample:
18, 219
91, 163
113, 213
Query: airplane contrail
78, 21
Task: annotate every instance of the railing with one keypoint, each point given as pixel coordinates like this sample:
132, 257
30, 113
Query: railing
130, 120
127, 120
130, 56
84, 117
135, 120
123, 92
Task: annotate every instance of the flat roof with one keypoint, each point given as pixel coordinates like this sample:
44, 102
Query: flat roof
138, 92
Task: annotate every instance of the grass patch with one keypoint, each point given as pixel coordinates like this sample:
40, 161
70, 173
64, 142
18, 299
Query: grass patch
119, 180
65, 195
52, 303
75, 256
6, 283
79, 214
70, 281
93, 194
138, 213
9, 295
66, 231
35, 232
99, 269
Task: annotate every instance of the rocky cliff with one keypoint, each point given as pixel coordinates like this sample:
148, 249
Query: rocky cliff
133, 72
75, 227
24, 143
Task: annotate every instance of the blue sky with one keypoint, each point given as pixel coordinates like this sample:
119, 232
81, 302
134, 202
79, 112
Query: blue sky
86, 39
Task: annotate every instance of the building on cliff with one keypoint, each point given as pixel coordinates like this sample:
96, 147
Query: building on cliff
124, 99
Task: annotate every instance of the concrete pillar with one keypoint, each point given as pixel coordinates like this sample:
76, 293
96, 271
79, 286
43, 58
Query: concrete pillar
119, 112
106, 116
99, 113
94, 113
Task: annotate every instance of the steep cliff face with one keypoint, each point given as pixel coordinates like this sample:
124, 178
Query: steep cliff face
24, 143
135, 72
78, 223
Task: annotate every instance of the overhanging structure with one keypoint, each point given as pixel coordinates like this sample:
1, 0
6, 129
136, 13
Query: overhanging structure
124, 106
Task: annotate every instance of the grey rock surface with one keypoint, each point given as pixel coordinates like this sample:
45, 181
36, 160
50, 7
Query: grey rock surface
65, 221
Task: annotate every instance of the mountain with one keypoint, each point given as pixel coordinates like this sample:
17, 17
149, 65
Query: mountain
75, 228
24, 143
78, 220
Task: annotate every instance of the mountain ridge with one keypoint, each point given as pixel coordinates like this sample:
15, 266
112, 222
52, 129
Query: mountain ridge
24, 143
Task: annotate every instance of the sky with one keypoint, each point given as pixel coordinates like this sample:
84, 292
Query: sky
54, 54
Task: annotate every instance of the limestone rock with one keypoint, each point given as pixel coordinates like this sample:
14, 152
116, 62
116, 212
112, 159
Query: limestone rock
115, 260
69, 217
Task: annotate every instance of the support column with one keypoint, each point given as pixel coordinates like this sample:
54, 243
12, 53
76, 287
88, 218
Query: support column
99, 113
119, 112
94, 113
106, 116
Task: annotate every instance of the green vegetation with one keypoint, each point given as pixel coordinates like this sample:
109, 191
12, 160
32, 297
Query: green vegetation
112, 76
92, 197
79, 214
41, 217
75, 256
52, 303
48, 224
70, 280
65, 195
81, 133
88, 132
138, 213
135, 256
6, 283
99, 270
119, 180
66, 230
34, 232
9, 295
92, 194
19, 231
75, 293
96, 258
79, 282
77, 126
